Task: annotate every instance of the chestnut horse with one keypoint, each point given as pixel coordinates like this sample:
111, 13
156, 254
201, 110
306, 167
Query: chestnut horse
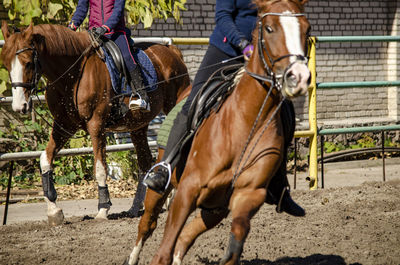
80, 96
237, 150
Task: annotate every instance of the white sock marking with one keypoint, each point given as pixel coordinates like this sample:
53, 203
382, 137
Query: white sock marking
101, 174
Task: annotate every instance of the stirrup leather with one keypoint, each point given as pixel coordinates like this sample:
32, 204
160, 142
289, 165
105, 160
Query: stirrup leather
279, 205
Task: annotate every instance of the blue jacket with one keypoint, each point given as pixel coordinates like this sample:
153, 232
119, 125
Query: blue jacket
235, 19
108, 13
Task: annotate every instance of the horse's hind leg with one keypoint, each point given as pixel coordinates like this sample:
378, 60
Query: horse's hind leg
205, 220
148, 222
58, 138
244, 205
139, 140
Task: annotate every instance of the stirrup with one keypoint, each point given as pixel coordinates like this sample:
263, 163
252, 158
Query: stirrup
138, 104
161, 164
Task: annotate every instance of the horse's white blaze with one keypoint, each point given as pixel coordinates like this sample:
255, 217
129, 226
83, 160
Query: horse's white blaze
44, 162
101, 174
299, 72
17, 74
291, 27
134, 256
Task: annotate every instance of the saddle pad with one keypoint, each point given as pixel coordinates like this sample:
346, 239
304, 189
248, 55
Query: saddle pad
147, 69
165, 129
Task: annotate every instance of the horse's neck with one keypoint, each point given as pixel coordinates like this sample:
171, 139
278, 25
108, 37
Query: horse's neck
57, 66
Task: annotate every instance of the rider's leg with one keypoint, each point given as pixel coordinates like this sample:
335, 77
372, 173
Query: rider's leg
135, 75
211, 62
278, 188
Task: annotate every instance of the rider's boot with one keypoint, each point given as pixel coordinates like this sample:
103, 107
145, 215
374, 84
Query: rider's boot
278, 193
158, 180
142, 102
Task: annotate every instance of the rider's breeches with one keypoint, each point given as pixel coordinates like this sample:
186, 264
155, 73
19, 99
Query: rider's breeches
211, 63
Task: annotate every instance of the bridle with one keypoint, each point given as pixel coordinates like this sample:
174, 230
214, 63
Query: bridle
273, 81
270, 76
33, 85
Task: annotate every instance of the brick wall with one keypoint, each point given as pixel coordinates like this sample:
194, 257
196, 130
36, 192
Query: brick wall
335, 61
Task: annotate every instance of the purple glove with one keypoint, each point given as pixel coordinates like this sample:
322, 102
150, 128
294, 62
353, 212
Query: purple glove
248, 51
246, 48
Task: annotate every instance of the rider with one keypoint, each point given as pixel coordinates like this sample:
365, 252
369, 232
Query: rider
106, 18
230, 40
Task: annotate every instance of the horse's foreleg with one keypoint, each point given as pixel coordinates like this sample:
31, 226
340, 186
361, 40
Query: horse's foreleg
97, 135
182, 206
139, 140
205, 220
57, 140
244, 205
148, 222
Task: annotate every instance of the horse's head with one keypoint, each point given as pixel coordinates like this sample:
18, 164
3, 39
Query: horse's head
19, 56
281, 45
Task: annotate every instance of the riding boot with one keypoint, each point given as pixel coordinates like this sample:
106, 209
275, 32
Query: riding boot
137, 84
278, 193
158, 180
278, 190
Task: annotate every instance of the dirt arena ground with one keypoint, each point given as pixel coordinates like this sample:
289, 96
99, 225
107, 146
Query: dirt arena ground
357, 224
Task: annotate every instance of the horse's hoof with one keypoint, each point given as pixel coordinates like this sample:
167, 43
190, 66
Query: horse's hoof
56, 219
126, 262
102, 214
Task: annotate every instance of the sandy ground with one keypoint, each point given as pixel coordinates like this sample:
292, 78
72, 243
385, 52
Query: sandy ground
352, 223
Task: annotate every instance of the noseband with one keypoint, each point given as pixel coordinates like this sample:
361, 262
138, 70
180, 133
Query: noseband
271, 77
36, 73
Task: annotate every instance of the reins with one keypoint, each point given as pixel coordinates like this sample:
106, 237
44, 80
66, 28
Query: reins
271, 78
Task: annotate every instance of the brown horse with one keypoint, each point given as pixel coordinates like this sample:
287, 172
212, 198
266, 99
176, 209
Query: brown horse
237, 150
80, 96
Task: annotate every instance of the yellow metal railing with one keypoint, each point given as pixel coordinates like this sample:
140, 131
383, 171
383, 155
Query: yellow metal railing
312, 133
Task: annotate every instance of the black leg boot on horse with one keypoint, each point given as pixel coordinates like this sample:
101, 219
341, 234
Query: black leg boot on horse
137, 84
278, 189
158, 180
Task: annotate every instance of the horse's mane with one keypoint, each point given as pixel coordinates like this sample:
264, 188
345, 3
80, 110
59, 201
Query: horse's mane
60, 40
262, 4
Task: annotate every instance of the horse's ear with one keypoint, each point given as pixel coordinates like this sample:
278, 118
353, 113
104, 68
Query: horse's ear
4, 29
303, 2
27, 33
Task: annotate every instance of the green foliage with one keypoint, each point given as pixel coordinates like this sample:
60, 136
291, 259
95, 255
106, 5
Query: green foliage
365, 141
60, 11
330, 147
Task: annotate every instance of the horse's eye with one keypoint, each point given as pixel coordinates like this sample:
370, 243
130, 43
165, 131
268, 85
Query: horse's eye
29, 65
269, 29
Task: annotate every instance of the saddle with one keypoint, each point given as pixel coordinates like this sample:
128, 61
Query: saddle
210, 98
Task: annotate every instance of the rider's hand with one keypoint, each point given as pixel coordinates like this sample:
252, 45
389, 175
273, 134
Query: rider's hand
100, 31
246, 48
72, 26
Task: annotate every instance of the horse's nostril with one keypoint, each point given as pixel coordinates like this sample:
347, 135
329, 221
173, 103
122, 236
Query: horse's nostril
309, 80
291, 78
25, 108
